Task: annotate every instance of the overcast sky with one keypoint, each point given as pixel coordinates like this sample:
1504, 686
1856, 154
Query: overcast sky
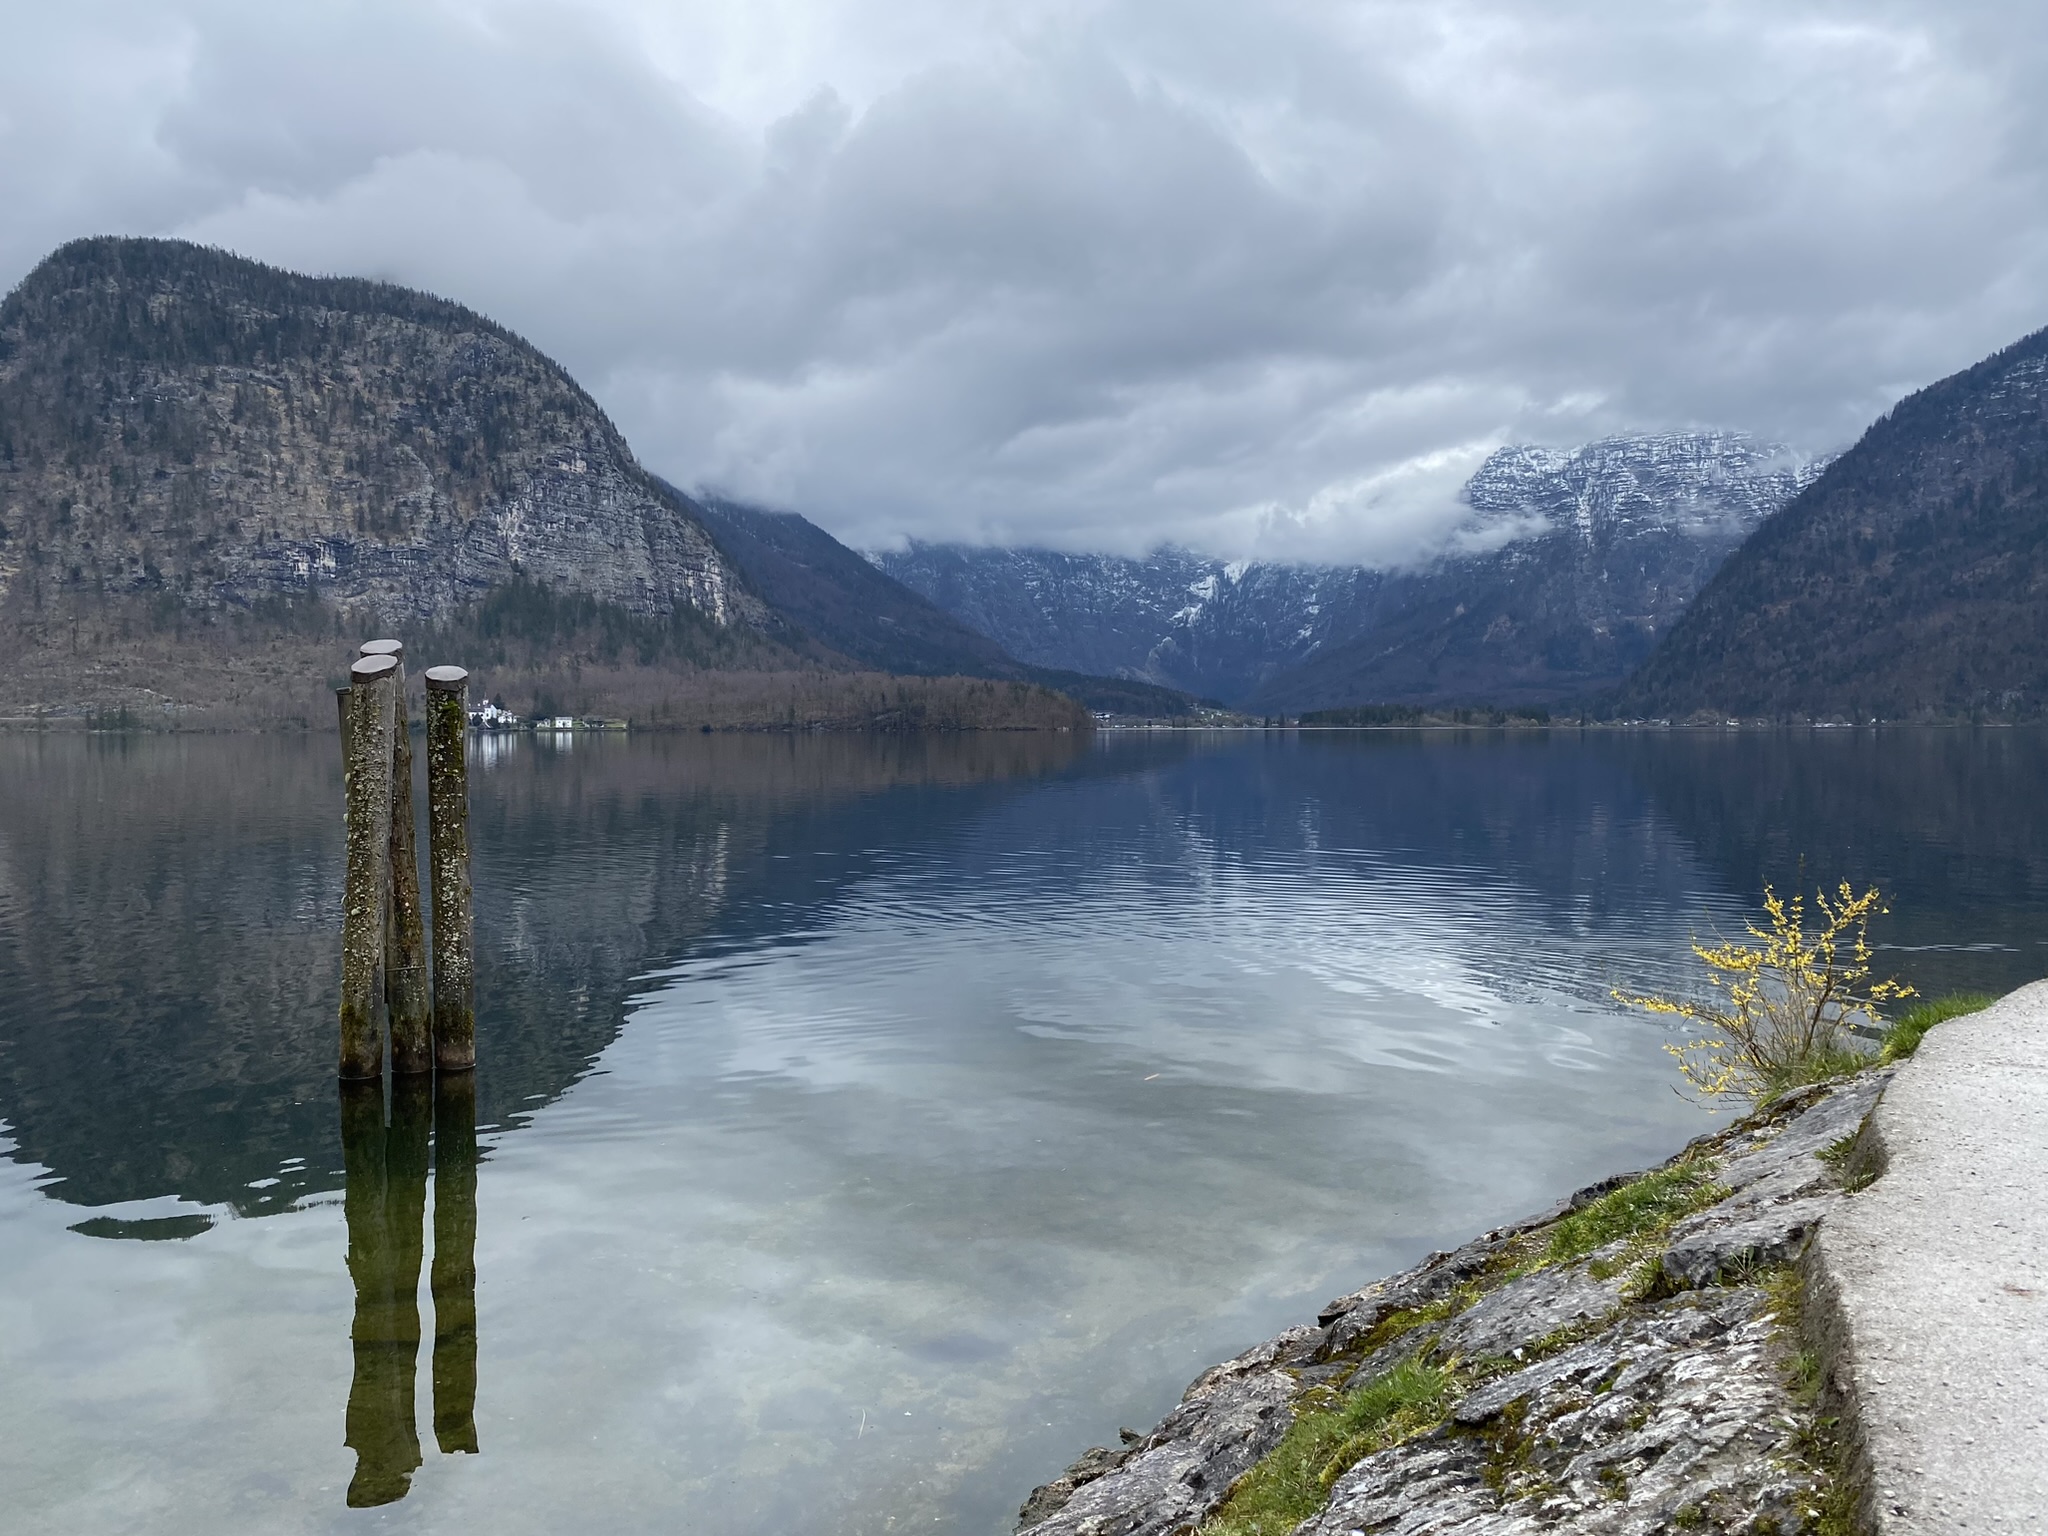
1261, 278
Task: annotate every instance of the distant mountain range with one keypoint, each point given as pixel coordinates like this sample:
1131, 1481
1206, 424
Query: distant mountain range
842, 601
214, 475
1570, 567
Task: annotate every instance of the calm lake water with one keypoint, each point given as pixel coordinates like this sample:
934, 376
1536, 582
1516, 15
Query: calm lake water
864, 1127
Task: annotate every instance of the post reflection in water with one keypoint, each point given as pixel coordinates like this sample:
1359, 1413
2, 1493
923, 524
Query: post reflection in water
454, 1276
385, 1205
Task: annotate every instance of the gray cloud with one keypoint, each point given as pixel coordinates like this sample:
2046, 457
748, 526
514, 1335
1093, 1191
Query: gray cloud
1261, 279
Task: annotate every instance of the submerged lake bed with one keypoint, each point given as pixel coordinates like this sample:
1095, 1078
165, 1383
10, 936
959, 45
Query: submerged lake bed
863, 1125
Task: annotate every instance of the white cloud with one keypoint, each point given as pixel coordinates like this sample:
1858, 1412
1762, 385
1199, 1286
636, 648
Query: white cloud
1101, 272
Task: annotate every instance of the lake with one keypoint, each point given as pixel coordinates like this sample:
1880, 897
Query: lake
863, 1126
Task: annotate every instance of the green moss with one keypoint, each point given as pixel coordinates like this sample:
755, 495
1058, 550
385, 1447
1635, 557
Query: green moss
1510, 1466
1637, 1212
1406, 1320
1819, 1442
1558, 1340
1905, 1035
1329, 1435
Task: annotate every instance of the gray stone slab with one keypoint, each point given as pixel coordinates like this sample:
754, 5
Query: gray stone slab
1525, 1310
1349, 1319
1931, 1286
1677, 1419
1787, 1165
1230, 1417
1711, 1245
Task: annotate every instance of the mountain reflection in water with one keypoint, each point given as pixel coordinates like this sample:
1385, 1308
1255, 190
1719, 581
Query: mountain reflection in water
173, 908
869, 1123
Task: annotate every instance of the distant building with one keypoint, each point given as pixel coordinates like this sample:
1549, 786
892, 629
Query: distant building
492, 717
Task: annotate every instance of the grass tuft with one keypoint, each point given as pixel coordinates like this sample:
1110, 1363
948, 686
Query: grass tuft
1823, 1064
1905, 1035
1293, 1481
1638, 1212
1410, 1398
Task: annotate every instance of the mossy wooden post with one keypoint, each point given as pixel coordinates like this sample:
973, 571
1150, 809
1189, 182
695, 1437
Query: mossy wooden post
366, 776
405, 931
448, 866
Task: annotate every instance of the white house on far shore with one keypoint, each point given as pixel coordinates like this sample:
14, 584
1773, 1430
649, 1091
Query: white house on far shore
488, 716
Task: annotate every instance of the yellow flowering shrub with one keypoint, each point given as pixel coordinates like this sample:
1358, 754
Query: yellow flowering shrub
1778, 1012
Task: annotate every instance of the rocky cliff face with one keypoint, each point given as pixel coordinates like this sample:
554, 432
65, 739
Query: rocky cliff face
188, 427
1571, 566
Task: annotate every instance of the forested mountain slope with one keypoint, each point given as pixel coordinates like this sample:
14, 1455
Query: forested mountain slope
845, 602
842, 600
1909, 581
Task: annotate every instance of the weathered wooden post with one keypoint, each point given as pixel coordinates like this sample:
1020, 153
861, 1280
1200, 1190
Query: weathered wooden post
405, 933
366, 777
448, 867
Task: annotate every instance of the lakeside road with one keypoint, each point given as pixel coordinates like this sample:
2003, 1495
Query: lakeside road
1931, 1286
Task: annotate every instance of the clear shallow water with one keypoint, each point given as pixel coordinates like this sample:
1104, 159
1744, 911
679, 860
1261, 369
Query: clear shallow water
866, 1126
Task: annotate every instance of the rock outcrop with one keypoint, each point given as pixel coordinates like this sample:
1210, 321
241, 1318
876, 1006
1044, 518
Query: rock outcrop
1651, 1383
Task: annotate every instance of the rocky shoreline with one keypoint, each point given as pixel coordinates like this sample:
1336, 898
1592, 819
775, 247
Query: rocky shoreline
1629, 1361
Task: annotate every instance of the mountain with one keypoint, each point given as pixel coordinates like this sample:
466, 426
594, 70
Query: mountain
215, 474
842, 600
1570, 566
1597, 552
1173, 617
180, 422
847, 603
1909, 581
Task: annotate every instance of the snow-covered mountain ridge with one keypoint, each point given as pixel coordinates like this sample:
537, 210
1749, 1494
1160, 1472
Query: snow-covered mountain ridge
1570, 565
1703, 483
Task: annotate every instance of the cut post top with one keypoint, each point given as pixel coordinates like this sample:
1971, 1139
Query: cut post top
447, 679
369, 668
382, 648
